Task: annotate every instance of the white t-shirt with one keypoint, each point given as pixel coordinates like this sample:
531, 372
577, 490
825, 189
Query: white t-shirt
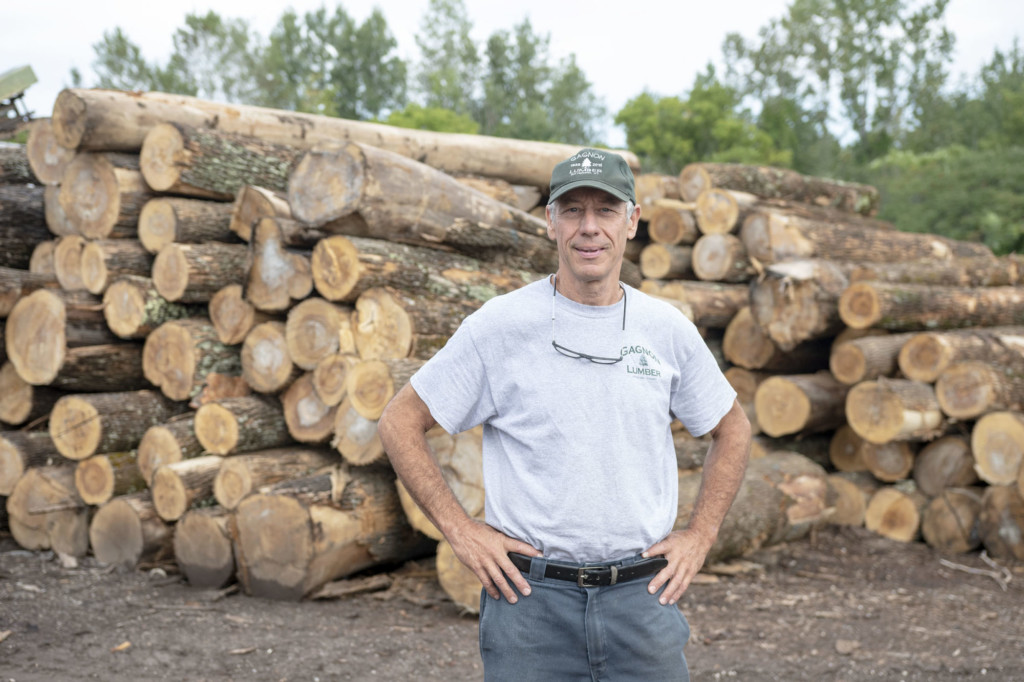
578, 457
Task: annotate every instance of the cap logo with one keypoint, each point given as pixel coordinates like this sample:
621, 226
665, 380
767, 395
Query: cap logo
592, 164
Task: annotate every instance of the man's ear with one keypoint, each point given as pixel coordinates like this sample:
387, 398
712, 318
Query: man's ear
550, 221
634, 222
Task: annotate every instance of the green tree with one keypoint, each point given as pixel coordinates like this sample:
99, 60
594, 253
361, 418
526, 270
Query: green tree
432, 118
213, 58
119, 63
449, 61
368, 78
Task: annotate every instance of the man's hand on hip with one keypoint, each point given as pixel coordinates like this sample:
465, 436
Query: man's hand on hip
484, 551
685, 551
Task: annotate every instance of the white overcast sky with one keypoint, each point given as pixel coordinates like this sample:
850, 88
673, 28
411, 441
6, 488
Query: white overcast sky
623, 47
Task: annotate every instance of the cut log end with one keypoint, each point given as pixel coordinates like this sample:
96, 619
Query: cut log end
158, 159
997, 441
116, 534
157, 224
859, 306
216, 428
335, 266
170, 497
781, 406
202, 548
923, 357
966, 390
847, 363
171, 272
94, 479
75, 427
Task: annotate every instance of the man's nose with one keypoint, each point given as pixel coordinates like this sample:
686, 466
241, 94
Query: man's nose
590, 221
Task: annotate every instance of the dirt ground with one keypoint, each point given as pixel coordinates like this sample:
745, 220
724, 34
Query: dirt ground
843, 605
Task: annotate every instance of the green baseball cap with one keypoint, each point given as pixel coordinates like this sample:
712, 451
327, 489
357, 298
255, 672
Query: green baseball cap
598, 168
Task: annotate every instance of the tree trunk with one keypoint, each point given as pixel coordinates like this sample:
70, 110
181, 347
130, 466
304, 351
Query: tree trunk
67, 262
242, 475
799, 403
14, 166
969, 389
846, 450
234, 425
390, 323
944, 463
895, 514
45, 324
317, 328
721, 211
714, 304
302, 534
103, 195
775, 236
371, 384
232, 316
401, 200
971, 271
104, 261
796, 302
266, 365
44, 511
330, 377
110, 119
782, 497
108, 367
277, 276
745, 344
21, 451
22, 224
1001, 522
950, 521
127, 530
745, 383
309, 419
867, 358
202, 548
175, 487
56, 218
212, 164
852, 491
894, 409
133, 308
997, 441
355, 436
181, 358
42, 259
654, 187
253, 203
888, 462
16, 283
90, 423
926, 355
193, 273
670, 221
778, 183
46, 158
721, 258
20, 401
100, 477
909, 307
173, 441
666, 261
169, 220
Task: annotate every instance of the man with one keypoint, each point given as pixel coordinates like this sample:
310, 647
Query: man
576, 379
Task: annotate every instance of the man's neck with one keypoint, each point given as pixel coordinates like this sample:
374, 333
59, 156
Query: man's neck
596, 293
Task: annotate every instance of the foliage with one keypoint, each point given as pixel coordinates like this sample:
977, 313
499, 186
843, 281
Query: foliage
432, 118
447, 74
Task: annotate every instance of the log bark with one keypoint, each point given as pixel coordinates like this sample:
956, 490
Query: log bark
86, 424
103, 195
346, 267
894, 409
997, 442
1001, 522
266, 364
234, 425
782, 497
926, 355
21, 451
316, 328
796, 302
909, 307
779, 183
110, 119
242, 475
105, 260
867, 358
895, 513
22, 224
309, 419
971, 271
45, 324
193, 273
44, 511
127, 531
101, 477
402, 200
969, 389
950, 521
176, 487
721, 258
944, 463
714, 304
670, 221
173, 441
299, 535
775, 236
168, 220
14, 165
277, 276
67, 262
390, 323
106, 367
181, 357
666, 261
745, 344
330, 377
20, 401
212, 164
133, 308
202, 548
799, 403
17, 283
355, 436
253, 203
47, 160
232, 316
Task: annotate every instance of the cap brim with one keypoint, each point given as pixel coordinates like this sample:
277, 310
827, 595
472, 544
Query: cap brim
590, 182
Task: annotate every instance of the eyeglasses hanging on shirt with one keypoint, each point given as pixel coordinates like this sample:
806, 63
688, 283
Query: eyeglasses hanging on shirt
575, 354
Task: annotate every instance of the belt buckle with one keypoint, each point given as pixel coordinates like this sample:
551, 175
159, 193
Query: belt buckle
595, 572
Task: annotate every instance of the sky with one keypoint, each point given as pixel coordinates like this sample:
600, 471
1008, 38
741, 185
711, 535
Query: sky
623, 48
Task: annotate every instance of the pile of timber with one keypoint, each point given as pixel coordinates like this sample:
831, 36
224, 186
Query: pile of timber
206, 307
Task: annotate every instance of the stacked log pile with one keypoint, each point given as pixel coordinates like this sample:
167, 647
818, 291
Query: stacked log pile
205, 309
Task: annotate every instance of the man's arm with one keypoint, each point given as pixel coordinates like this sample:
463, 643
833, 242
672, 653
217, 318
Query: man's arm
724, 466
402, 428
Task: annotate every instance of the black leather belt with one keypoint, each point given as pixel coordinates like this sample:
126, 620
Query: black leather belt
593, 575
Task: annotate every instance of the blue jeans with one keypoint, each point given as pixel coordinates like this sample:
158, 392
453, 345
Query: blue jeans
563, 632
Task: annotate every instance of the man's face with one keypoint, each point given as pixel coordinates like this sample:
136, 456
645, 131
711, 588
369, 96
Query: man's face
591, 228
